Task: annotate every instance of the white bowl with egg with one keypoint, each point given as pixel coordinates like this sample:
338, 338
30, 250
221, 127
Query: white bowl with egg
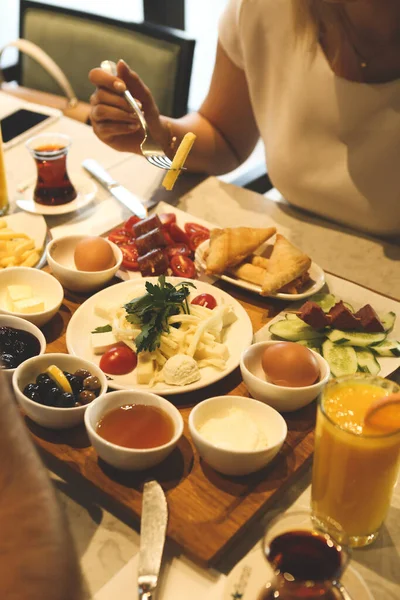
30, 294
122, 457
236, 435
282, 398
53, 417
61, 259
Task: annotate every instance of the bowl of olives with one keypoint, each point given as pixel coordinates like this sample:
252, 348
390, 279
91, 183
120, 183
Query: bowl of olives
19, 341
54, 390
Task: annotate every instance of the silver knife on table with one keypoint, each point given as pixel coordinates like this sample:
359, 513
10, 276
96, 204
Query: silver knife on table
119, 192
153, 528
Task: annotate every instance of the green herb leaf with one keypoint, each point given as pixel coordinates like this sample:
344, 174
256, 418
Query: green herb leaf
102, 329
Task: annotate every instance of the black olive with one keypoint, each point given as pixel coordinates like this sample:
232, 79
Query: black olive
45, 387
87, 396
20, 347
83, 373
76, 383
8, 361
66, 400
30, 389
91, 383
52, 396
43, 377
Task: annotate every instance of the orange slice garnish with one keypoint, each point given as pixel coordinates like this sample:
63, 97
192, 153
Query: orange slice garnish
384, 414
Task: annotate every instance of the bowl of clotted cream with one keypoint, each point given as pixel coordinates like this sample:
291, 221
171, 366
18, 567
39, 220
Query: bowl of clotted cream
236, 435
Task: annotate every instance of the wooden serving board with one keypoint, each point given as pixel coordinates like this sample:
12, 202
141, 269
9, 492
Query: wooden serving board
207, 511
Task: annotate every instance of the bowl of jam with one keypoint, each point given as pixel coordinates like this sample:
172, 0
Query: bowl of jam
19, 341
54, 390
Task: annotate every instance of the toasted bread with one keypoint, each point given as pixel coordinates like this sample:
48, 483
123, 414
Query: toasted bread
285, 264
229, 247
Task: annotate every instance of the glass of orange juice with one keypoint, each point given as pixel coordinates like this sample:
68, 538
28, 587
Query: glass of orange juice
355, 465
4, 205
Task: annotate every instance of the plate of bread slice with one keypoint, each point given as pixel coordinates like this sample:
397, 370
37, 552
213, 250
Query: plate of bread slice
260, 260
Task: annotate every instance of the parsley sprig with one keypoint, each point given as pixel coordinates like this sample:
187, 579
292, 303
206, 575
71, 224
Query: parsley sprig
152, 310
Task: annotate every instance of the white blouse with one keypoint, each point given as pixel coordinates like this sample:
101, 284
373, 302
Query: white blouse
332, 146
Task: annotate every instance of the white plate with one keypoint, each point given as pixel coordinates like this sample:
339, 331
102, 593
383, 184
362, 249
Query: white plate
238, 337
85, 187
316, 273
357, 296
33, 225
248, 578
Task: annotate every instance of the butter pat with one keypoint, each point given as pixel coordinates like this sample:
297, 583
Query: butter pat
29, 306
18, 292
234, 429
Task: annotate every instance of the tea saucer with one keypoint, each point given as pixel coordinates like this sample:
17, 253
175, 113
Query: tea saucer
249, 577
85, 187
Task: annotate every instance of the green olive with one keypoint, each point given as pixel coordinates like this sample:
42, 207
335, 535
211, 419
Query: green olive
86, 396
91, 383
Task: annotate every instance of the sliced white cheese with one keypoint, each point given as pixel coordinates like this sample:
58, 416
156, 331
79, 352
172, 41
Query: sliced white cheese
19, 292
105, 311
144, 367
228, 316
101, 342
215, 350
29, 306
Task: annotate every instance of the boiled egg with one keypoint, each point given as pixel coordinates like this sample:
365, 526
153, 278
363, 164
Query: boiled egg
93, 254
290, 365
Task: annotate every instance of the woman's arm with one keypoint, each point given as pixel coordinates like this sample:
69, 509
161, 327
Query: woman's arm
37, 557
225, 126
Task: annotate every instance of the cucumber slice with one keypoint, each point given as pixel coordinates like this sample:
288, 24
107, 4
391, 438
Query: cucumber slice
341, 359
387, 348
325, 301
293, 331
388, 321
349, 306
354, 338
312, 344
367, 362
293, 317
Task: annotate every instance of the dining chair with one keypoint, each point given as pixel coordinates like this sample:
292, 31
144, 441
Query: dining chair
79, 41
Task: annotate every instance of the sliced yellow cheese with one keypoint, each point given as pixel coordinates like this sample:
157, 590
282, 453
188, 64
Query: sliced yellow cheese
178, 161
58, 376
29, 306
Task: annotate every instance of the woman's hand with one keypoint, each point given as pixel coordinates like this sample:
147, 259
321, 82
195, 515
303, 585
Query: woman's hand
114, 121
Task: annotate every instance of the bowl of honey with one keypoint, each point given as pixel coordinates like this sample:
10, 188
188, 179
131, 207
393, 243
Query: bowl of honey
133, 430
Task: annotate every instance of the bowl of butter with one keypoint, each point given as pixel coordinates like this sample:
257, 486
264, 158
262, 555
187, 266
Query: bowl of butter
30, 294
236, 435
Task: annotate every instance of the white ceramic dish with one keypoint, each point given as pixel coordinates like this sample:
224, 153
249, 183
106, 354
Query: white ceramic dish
357, 296
60, 256
33, 225
250, 575
85, 187
231, 462
43, 285
316, 273
283, 399
120, 457
49, 416
84, 320
17, 323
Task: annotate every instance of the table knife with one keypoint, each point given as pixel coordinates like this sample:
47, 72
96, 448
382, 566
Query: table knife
153, 527
119, 192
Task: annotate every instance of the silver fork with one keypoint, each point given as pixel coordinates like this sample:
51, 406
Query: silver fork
151, 150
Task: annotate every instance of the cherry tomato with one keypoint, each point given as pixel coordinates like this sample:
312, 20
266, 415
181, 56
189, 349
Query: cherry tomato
130, 256
193, 228
196, 239
176, 249
183, 266
167, 236
178, 235
128, 226
205, 300
167, 219
118, 360
120, 236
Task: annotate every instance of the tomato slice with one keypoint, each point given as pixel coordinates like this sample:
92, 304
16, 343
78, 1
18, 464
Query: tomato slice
167, 219
196, 239
177, 249
120, 236
128, 225
130, 256
183, 266
118, 360
178, 235
193, 228
206, 300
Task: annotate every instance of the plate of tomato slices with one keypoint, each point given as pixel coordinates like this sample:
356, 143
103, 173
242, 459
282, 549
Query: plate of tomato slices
164, 243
